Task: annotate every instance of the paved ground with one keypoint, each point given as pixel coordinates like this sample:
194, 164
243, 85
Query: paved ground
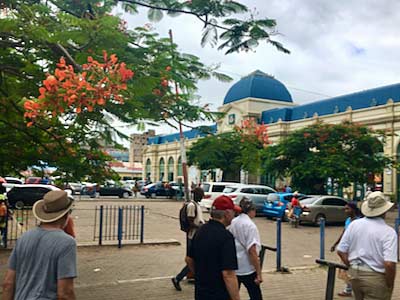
145, 271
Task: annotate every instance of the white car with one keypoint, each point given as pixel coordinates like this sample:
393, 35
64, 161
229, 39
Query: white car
11, 182
211, 191
256, 193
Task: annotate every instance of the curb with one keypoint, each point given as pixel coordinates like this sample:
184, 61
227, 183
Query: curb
170, 242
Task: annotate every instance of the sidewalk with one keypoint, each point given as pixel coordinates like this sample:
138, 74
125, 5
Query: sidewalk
306, 284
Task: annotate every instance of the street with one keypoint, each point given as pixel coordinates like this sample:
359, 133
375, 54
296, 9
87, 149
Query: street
138, 272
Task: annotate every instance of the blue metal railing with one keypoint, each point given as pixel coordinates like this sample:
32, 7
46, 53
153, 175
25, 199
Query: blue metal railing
119, 223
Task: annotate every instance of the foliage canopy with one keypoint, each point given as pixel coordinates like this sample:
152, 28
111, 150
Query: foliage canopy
345, 152
35, 34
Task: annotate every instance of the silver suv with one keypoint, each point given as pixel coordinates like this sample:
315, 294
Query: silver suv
256, 193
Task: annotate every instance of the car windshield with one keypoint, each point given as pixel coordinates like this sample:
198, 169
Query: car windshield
309, 200
206, 187
229, 189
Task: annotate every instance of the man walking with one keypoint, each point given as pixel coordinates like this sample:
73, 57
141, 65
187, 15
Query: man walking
369, 248
212, 255
248, 246
195, 218
43, 262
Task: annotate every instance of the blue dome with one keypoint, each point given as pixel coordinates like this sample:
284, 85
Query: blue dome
258, 85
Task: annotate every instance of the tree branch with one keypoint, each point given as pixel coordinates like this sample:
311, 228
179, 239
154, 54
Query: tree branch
58, 48
64, 9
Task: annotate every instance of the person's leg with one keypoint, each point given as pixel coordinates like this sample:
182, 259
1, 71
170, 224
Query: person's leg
375, 286
356, 284
182, 273
252, 288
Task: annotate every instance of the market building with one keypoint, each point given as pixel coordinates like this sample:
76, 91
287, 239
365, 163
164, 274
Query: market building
266, 99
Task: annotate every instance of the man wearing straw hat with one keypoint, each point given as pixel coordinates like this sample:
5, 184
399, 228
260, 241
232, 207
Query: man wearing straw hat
43, 263
369, 248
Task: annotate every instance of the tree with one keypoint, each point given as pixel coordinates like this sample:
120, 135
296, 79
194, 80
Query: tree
345, 152
35, 34
233, 151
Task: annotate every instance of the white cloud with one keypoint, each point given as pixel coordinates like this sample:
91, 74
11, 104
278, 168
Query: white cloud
337, 47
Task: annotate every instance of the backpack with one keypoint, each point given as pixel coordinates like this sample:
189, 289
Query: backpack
183, 218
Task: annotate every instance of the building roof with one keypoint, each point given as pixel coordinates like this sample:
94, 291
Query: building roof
258, 85
364, 99
190, 134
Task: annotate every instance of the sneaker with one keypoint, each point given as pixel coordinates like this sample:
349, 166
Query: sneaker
176, 284
344, 294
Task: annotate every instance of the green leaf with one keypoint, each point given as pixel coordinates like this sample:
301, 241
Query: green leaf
155, 15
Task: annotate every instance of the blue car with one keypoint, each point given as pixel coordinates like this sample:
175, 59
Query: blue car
276, 204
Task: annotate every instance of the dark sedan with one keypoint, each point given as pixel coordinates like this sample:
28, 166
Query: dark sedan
27, 194
114, 190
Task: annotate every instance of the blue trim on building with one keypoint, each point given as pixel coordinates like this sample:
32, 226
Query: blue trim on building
359, 100
190, 134
258, 85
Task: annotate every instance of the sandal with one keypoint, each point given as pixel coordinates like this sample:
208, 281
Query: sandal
344, 294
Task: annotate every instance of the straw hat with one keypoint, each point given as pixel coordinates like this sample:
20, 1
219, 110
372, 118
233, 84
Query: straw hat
53, 206
375, 205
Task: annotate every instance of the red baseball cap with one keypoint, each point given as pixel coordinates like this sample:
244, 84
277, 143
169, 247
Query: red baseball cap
224, 202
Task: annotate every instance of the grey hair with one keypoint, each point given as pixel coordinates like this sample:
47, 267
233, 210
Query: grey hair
217, 214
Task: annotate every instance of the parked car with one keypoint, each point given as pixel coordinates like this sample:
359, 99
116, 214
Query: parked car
153, 190
211, 191
115, 190
276, 204
27, 194
11, 182
331, 208
75, 187
256, 193
38, 180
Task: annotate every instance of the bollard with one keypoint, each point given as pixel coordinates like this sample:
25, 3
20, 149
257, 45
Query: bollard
5, 236
278, 244
396, 227
101, 225
330, 284
322, 238
120, 212
141, 224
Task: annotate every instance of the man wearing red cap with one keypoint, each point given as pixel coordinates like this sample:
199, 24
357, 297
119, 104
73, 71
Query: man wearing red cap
212, 255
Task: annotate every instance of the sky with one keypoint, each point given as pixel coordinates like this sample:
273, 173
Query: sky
337, 47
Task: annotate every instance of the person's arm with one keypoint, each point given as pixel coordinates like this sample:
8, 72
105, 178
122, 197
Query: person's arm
344, 257
231, 284
390, 273
337, 242
65, 289
190, 263
255, 261
9, 285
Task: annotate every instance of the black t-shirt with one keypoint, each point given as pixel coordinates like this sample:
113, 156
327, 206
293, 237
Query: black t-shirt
213, 250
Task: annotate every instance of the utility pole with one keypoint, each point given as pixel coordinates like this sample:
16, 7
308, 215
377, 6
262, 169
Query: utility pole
182, 140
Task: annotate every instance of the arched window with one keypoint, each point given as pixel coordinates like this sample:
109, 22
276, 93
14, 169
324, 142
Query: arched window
170, 169
148, 169
180, 172
162, 169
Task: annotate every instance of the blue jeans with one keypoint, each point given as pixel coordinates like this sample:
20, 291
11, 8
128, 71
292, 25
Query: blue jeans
185, 269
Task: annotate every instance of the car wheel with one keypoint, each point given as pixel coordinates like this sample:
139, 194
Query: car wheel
19, 205
148, 196
317, 219
125, 195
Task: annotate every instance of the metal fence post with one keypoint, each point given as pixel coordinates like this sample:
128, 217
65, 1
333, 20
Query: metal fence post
5, 233
278, 244
120, 212
322, 238
396, 227
141, 224
101, 225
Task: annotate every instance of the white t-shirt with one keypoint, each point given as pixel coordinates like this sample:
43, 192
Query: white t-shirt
246, 235
370, 240
198, 217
